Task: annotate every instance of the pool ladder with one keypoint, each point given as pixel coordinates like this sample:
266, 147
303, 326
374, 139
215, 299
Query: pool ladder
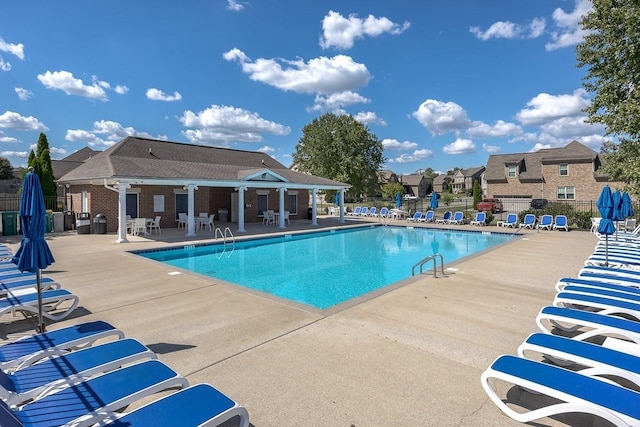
226, 235
433, 258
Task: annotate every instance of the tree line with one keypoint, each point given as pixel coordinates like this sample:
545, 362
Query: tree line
40, 161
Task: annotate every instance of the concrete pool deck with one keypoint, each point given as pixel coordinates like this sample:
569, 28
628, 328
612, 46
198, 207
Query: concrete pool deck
410, 356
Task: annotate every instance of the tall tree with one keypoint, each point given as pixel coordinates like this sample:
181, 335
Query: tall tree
43, 167
340, 148
609, 52
6, 170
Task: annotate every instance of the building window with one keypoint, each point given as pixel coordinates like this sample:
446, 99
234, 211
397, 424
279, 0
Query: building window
566, 193
293, 204
564, 169
263, 203
512, 171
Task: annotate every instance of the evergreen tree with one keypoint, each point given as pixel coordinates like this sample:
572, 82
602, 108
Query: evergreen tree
43, 169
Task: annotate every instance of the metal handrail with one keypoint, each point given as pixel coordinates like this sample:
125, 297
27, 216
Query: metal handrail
433, 258
227, 229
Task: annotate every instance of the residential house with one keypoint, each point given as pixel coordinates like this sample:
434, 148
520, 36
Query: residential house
144, 177
441, 183
416, 185
463, 179
572, 172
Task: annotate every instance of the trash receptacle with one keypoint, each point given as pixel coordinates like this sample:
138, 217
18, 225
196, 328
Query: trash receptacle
223, 215
83, 223
58, 222
9, 223
100, 224
48, 223
69, 216
310, 213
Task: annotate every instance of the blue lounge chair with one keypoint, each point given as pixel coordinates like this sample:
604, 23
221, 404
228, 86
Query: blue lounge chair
355, 211
575, 391
372, 211
39, 379
428, 216
364, 211
14, 285
560, 223
480, 219
88, 402
529, 221
194, 406
595, 283
511, 221
445, 218
600, 301
458, 218
588, 324
384, 213
416, 217
546, 222
599, 360
31, 348
52, 301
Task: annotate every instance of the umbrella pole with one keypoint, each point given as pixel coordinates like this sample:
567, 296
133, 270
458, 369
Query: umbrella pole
39, 286
606, 250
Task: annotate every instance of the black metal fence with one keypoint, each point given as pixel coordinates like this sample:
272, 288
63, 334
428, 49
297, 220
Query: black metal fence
12, 203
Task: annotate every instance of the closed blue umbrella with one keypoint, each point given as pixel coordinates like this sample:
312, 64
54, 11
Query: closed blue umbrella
398, 200
336, 199
33, 255
434, 200
627, 206
617, 209
606, 226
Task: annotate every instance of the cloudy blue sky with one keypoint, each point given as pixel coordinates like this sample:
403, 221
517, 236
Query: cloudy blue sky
442, 84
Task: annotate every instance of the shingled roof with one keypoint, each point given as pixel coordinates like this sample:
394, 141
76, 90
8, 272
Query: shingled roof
147, 160
530, 164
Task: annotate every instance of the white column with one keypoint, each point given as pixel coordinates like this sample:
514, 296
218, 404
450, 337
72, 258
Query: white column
241, 191
281, 190
122, 212
191, 221
314, 202
341, 206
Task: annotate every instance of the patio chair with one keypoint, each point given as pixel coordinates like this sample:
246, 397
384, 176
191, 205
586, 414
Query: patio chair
416, 217
384, 212
595, 222
480, 219
546, 222
560, 223
529, 221
355, 211
139, 226
52, 301
445, 218
511, 221
210, 223
182, 220
574, 391
155, 225
601, 301
372, 211
364, 211
428, 216
458, 218
600, 281
40, 379
46, 283
193, 406
30, 348
90, 401
268, 217
285, 217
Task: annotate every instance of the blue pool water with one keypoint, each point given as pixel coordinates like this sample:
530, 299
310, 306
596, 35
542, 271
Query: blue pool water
323, 269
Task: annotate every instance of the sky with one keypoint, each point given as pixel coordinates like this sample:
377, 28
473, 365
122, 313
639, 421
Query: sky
441, 84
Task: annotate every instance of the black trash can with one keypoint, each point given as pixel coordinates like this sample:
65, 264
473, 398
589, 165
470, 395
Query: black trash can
100, 224
69, 216
9, 223
83, 223
310, 213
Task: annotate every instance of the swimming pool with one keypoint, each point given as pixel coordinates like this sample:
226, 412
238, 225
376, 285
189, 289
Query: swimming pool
323, 269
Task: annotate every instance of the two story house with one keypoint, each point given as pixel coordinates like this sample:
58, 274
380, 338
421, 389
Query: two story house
463, 179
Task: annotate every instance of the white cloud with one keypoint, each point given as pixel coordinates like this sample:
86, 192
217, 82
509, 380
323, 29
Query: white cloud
441, 117
221, 124
120, 89
15, 49
417, 156
58, 152
510, 30
23, 94
22, 154
320, 75
544, 107
491, 149
341, 32
369, 117
4, 66
569, 32
394, 144
5, 138
234, 5
158, 95
11, 120
266, 149
64, 81
571, 127
460, 146
500, 129
112, 132
336, 101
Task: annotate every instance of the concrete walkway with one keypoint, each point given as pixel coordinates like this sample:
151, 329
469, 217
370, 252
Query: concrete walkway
408, 357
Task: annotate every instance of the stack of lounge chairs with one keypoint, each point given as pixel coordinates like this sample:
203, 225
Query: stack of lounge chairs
586, 359
88, 374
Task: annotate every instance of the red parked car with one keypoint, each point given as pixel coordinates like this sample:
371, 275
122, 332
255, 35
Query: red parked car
493, 205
